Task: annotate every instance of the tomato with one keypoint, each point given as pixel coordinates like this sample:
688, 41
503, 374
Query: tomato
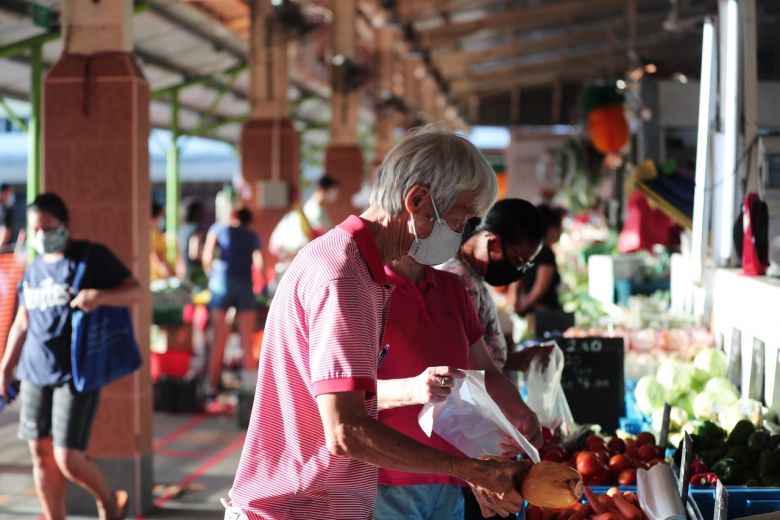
653, 462
601, 478
648, 452
616, 445
619, 463
627, 477
595, 443
645, 438
632, 453
602, 456
547, 433
630, 443
553, 455
588, 465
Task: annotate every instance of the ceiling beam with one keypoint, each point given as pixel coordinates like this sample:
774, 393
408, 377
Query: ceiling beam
196, 30
529, 17
607, 58
453, 63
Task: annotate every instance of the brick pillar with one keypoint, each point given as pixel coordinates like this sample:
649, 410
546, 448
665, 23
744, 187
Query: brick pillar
269, 143
95, 155
257, 157
343, 157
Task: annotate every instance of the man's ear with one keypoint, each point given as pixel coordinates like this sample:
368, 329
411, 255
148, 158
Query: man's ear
494, 245
416, 198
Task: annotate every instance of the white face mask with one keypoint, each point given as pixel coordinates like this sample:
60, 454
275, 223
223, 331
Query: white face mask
441, 245
49, 241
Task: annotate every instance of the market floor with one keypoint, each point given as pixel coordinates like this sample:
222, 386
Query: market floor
194, 463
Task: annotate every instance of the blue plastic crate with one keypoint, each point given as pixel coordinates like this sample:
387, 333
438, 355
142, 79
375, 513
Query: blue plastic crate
743, 501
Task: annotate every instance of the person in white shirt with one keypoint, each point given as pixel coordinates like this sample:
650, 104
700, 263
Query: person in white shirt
327, 192
302, 224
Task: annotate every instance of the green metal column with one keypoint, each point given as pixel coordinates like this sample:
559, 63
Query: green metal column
34, 125
172, 182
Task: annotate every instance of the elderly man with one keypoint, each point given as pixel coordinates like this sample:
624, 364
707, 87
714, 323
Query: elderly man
314, 441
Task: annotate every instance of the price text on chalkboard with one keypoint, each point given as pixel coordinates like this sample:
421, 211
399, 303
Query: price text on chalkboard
593, 380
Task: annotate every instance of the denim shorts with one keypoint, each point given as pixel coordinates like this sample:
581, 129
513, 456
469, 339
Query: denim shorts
419, 502
59, 411
227, 292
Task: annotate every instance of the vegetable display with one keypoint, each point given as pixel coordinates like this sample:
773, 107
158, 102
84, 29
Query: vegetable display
745, 456
614, 505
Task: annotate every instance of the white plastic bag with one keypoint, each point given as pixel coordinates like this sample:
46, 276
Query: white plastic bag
471, 421
545, 393
658, 494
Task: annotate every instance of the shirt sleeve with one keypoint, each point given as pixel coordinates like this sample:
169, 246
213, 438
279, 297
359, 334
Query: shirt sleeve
343, 343
106, 270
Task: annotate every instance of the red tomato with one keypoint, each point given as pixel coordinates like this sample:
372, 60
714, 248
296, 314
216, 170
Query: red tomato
547, 433
602, 456
616, 445
648, 452
588, 465
645, 438
632, 453
627, 477
619, 463
553, 455
595, 443
653, 462
630, 443
601, 478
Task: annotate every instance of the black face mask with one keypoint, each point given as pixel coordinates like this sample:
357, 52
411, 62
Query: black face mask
501, 272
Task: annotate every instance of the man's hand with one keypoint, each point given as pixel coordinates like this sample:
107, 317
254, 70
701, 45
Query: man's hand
434, 384
496, 484
87, 300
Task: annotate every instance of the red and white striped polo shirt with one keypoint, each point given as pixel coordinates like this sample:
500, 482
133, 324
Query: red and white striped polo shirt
322, 335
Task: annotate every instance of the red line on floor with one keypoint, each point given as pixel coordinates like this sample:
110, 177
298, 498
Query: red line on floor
178, 432
207, 465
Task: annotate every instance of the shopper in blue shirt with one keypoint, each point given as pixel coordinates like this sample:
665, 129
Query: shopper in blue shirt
229, 254
55, 419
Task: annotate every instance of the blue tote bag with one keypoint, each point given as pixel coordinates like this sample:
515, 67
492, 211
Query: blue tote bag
103, 346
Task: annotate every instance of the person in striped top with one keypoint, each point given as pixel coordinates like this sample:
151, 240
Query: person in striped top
314, 442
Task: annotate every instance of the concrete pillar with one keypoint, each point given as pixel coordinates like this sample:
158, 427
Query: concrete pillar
269, 143
385, 117
413, 72
343, 157
95, 155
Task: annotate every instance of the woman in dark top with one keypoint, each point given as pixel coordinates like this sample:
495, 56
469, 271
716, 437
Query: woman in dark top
191, 243
229, 255
55, 419
540, 283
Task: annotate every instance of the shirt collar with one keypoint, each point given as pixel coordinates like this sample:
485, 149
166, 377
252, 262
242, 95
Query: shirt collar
428, 280
366, 245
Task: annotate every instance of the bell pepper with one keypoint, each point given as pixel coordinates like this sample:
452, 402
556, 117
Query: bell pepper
698, 466
704, 480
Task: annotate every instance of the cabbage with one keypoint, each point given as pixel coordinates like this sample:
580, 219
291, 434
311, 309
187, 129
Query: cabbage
712, 362
676, 377
677, 418
724, 389
747, 409
704, 407
685, 402
649, 394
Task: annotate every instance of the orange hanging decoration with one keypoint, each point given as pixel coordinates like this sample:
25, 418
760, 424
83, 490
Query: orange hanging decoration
608, 128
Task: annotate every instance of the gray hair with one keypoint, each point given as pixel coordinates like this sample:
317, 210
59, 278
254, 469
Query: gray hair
446, 163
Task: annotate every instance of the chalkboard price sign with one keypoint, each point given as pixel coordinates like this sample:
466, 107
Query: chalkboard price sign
593, 380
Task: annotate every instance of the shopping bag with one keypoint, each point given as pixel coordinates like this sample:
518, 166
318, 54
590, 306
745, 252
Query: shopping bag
103, 346
471, 421
545, 393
